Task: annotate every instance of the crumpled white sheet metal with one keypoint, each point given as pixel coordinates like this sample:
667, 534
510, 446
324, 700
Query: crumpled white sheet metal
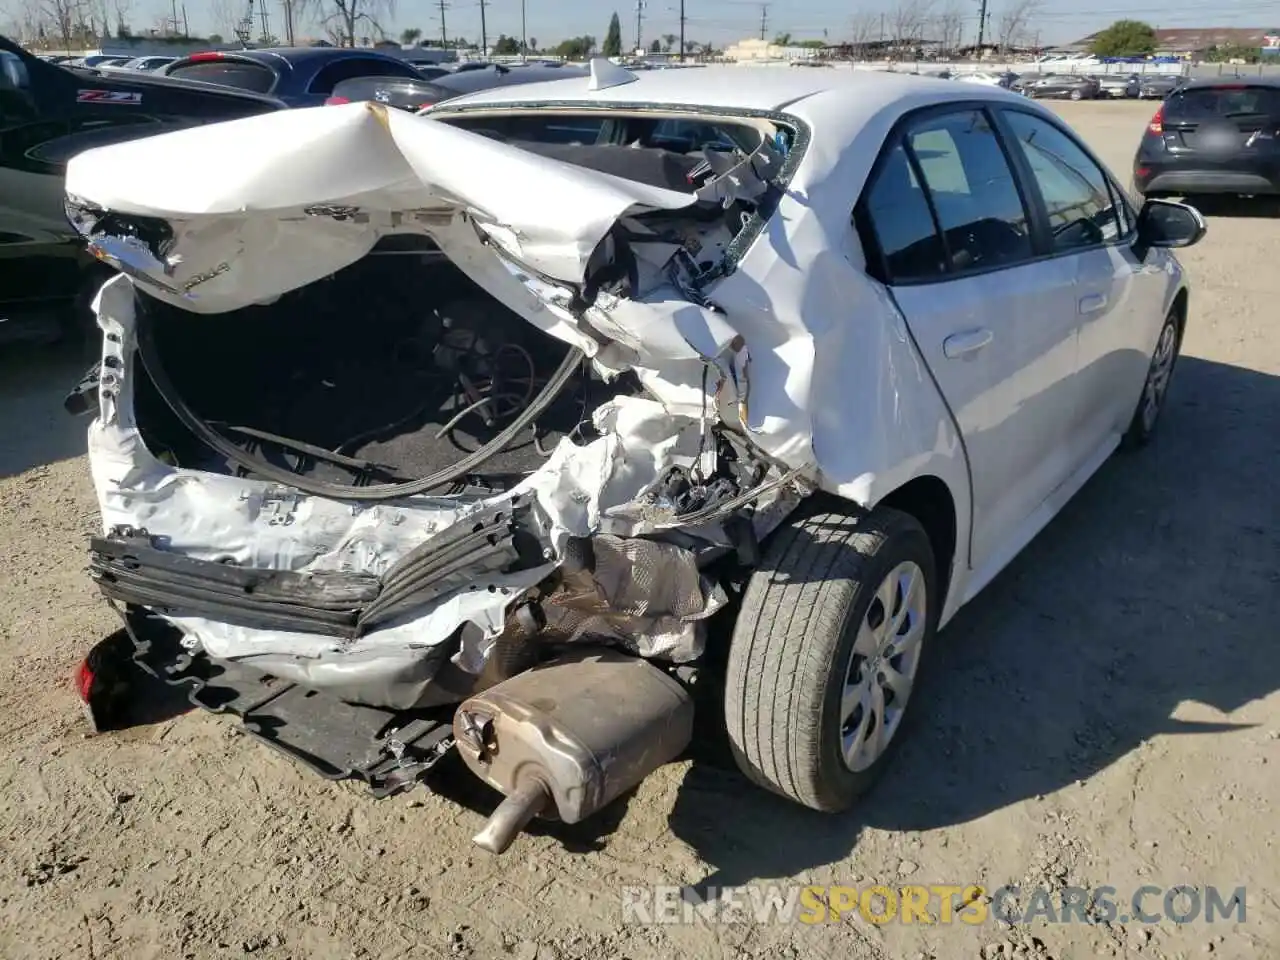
269, 204
261, 183
214, 517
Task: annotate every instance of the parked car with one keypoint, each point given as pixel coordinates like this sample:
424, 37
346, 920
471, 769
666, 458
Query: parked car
1159, 86
1212, 137
615, 365
148, 63
1119, 85
48, 114
1061, 86
298, 76
419, 94
1005, 79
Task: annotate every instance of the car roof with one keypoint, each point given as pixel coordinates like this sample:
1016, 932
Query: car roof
1198, 83
734, 88
302, 56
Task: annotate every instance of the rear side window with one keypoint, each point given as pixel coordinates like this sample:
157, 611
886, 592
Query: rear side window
241, 74
1208, 103
1076, 195
351, 67
898, 214
973, 191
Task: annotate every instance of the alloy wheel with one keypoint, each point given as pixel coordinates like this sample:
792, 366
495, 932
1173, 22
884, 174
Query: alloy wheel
1158, 376
882, 667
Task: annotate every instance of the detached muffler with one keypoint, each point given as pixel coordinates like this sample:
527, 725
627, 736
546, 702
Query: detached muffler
564, 739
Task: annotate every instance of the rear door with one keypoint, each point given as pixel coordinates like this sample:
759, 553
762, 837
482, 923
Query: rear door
959, 247
1224, 123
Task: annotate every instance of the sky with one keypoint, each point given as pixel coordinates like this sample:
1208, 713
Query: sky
722, 22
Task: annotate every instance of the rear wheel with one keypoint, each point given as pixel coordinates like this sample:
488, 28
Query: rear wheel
825, 652
1076, 95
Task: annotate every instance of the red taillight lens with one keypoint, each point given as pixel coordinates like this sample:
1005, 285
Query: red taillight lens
333, 101
424, 106
84, 680
213, 55
1157, 122
1141, 171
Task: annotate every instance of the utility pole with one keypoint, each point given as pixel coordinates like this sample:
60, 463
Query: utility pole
524, 35
764, 19
982, 25
484, 34
682, 19
444, 33
639, 19
288, 21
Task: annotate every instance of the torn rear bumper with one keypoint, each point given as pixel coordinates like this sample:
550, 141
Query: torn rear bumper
389, 750
129, 566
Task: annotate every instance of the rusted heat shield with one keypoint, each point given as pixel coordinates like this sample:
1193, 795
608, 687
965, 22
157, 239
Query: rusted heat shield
564, 739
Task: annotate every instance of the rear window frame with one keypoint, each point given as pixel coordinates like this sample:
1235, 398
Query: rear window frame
176, 71
1177, 98
801, 137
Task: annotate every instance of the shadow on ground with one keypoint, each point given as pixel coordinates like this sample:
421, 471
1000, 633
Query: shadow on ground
34, 379
1159, 584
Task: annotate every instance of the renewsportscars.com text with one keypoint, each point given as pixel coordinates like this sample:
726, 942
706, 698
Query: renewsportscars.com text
931, 904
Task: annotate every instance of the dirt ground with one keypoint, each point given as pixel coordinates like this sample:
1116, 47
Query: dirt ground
1108, 712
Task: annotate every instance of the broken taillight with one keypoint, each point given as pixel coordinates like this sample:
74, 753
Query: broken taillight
84, 680
1156, 125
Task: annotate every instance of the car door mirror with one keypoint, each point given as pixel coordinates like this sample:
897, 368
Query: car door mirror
1166, 223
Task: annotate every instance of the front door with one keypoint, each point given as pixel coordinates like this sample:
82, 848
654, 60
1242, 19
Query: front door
1118, 298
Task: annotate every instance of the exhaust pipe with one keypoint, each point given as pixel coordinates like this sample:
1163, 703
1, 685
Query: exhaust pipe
564, 739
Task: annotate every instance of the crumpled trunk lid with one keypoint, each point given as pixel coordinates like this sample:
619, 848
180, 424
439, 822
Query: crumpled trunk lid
241, 212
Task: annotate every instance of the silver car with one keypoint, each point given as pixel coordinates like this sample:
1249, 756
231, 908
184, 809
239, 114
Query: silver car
1116, 85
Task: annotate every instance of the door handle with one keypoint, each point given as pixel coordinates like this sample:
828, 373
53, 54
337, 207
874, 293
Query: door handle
962, 344
1092, 303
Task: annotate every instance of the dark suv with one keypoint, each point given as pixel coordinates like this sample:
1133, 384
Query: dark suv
1213, 137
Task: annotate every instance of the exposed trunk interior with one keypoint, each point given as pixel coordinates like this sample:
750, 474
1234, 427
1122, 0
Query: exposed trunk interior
399, 362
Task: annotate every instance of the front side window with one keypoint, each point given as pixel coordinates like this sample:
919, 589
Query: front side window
973, 191
1077, 198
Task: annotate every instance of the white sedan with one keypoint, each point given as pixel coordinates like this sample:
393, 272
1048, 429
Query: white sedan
538, 406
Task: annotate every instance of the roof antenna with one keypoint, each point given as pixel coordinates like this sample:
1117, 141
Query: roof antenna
606, 74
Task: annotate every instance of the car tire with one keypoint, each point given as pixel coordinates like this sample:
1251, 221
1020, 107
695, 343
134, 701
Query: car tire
1075, 95
805, 648
1155, 388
